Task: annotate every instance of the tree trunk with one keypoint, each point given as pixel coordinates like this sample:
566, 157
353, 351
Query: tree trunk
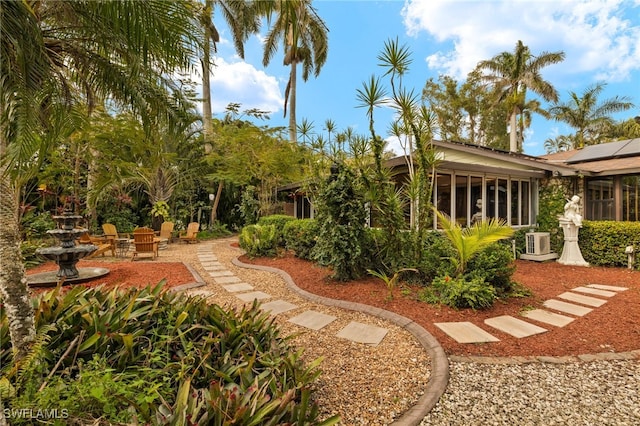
513, 133
207, 112
292, 102
13, 280
214, 209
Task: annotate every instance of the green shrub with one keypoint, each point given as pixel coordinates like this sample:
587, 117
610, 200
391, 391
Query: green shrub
341, 242
258, 240
603, 243
300, 236
462, 292
36, 225
437, 253
278, 221
28, 249
493, 265
157, 358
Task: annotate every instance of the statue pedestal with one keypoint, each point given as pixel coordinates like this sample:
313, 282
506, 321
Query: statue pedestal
571, 254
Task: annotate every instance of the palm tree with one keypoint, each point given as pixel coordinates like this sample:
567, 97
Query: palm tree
56, 55
469, 241
512, 74
560, 143
589, 117
305, 40
243, 20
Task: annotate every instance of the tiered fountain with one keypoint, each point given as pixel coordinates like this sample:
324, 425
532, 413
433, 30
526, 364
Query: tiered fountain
66, 255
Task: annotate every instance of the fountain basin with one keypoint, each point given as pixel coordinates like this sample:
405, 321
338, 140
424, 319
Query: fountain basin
51, 279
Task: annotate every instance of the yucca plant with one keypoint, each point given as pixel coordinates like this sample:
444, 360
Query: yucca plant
468, 241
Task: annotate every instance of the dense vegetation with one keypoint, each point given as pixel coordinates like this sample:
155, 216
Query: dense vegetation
155, 357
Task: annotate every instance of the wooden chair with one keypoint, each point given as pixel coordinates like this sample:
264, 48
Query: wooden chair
111, 233
145, 242
104, 245
191, 234
166, 231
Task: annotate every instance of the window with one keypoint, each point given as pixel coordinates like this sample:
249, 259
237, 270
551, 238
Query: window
600, 203
631, 198
443, 194
461, 200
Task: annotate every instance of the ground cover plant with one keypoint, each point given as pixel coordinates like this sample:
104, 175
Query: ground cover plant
155, 357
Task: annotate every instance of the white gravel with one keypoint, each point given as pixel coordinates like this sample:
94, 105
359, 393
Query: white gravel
576, 393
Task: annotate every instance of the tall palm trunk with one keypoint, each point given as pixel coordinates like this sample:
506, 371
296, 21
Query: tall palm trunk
513, 133
293, 134
13, 280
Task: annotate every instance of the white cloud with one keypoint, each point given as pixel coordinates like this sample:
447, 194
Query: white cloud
598, 37
242, 83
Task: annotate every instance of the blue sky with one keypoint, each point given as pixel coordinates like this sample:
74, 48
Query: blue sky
601, 41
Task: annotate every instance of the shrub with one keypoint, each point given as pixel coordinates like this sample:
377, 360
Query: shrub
462, 292
493, 265
603, 243
341, 242
148, 356
278, 221
300, 236
36, 225
258, 240
436, 254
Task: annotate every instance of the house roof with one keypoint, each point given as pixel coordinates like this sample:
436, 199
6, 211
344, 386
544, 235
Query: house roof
612, 158
453, 154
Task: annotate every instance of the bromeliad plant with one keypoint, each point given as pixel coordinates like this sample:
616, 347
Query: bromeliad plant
154, 357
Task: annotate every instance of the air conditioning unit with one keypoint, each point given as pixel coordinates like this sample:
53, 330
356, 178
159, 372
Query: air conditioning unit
538, 243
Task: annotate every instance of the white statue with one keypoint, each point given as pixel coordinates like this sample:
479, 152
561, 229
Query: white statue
477, 216
572, 211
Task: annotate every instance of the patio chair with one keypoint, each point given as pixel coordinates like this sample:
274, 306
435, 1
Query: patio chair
103, 244
111, 233
191, 234
166, 231
144, 242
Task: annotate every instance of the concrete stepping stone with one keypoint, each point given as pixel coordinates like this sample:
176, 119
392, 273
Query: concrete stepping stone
595, 291
213, 268
514, 326
607, 287
313, 320
277, 307
548, 317
254, 295
234, 288
579, 298
220, 274
227, 280
207, 258
466, 332
363, 333
568, 308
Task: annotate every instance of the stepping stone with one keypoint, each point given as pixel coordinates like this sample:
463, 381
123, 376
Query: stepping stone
565, 307
466, 332
548, 317
233, 288
313, 320
607, 287
227, 280
579, 298
514, 326
220, 273
277, 307
594, 291
206, 257
254, 295
212, 268
363, 333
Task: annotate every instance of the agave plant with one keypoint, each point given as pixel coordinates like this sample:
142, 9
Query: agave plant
468, 241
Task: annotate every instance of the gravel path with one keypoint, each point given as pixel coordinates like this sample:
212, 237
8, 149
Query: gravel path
374, 385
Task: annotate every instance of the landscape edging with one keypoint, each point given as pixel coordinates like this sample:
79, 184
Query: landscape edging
439, 376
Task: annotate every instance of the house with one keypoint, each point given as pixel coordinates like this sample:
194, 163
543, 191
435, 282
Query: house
471, 183
606, 176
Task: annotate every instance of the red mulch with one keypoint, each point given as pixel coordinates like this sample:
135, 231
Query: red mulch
125, 274
613, 327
